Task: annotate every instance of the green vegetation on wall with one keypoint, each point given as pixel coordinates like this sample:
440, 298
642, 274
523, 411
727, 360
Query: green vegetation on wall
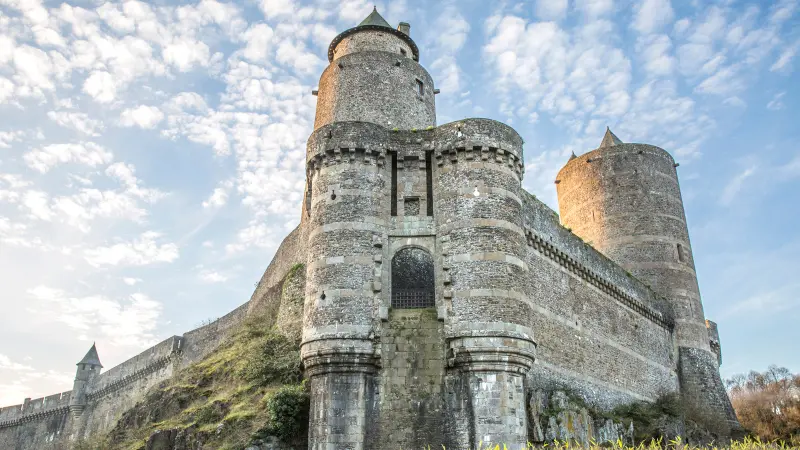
247, 389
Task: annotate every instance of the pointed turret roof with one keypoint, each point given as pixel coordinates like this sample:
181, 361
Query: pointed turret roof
572, 156
375, 19
610, 139
91, 357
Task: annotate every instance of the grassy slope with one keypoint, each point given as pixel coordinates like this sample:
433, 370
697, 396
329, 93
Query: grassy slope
246, 389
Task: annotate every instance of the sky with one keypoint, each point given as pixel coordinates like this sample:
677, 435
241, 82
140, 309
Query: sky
152, 153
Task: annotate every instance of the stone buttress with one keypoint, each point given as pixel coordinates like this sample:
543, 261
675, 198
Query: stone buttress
625, 200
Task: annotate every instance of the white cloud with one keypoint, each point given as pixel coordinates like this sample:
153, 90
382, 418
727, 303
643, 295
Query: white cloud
126, 322
142, 116
551, 9
448, 37
7, 137
776, 103
140, 252
277, 8
78, 121
735, 101
783, 63
101, 86
7, 364
256, 234
655, 50
81, 209
595, 8
724, 82
131, 281
219, 197
210, 276
49, 156
37, 205
651, 16
34, 71
735, 185
259, 41
185, 54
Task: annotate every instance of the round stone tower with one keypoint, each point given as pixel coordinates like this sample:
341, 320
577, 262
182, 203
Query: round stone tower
374, 76
625, 201
369, 86
478, 212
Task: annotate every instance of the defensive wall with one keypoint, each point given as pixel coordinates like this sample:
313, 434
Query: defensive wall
601, 332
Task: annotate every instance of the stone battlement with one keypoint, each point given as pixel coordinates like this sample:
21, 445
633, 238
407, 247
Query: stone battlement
34, 409
475, 139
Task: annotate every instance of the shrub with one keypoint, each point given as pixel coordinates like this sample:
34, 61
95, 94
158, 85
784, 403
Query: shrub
288, 411
276, 361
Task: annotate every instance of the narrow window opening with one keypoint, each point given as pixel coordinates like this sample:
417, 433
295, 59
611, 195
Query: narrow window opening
403, 51
309, 187
412, 279
420, 87
394, 184
429, 182
681, 256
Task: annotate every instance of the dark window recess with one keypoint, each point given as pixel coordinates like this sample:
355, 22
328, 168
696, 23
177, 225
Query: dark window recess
681, 256
394, 183
420, 87
429, 181
411, 206
403, 51
412, 279
309, 187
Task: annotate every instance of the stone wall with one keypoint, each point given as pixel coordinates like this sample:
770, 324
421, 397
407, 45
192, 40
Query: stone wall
378, 87
413, 363
601, 332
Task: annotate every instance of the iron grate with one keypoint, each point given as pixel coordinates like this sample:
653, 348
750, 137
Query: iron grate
412, 298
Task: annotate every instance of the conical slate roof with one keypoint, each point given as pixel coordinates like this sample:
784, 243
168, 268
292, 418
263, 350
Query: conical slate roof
572, 156
91, 357
610, 139
375, 19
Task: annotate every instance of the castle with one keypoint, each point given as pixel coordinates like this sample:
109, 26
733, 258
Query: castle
437, 292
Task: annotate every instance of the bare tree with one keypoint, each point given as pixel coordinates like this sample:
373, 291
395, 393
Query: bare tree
768, 403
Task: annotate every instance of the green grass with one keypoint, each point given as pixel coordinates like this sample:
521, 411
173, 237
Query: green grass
222, 400
656, 444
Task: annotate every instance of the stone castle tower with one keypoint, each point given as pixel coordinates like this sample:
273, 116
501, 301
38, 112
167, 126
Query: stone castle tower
403, 215
87, 372
440, 299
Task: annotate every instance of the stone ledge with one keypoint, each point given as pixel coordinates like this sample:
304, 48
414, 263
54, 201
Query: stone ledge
548, 250
34, 416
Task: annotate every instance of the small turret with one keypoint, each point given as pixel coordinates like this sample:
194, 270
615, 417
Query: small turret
88, 370
610, 139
